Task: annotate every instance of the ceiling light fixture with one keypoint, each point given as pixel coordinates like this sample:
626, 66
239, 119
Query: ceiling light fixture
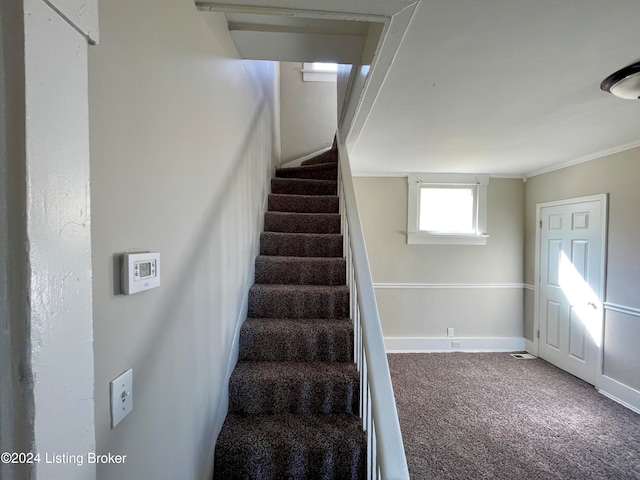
624, 83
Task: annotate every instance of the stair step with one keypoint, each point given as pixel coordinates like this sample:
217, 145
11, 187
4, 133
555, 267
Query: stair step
294, 447
301, 270
303, 186
271, 388
287, 339
303, 203
299, 301
319, 171
328, 156
302, 222
301, 244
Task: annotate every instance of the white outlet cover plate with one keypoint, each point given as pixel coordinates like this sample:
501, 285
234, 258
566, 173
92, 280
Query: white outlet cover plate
121, 389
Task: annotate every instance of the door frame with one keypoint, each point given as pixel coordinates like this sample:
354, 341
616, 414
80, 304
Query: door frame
603, 198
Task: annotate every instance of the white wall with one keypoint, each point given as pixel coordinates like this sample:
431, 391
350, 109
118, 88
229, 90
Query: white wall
59, 232
182, 141
423, 289
618, 176
308, 117
46, 250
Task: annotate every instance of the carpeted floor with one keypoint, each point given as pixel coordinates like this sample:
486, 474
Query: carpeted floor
488, 415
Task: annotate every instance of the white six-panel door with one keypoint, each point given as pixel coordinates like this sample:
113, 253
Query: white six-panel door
571, 246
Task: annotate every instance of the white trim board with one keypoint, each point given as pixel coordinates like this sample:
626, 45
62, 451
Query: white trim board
586, 158
364, 173
620, 393
444, 344
528, 346
446, 285
614, 307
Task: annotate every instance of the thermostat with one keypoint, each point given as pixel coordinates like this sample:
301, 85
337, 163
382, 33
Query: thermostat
139, 272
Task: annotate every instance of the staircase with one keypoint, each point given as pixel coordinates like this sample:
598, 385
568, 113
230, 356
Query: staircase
294, 394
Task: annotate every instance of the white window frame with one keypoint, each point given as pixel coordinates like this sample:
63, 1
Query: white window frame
419, 180
312, 73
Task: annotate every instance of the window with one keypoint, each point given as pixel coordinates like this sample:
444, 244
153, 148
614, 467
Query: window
447, 209
319, 72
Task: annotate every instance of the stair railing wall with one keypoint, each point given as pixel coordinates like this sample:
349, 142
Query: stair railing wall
385, 451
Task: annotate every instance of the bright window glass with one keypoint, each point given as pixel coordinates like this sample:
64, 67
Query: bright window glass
319, 72
447, 209
324, 67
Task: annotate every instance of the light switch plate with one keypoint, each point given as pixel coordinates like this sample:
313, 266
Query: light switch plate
121, 397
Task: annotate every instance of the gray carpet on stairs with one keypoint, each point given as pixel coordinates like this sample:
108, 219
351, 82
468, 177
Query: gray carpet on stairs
301, 270
303, 186
294, 394
301, 244
488, 415
303, 203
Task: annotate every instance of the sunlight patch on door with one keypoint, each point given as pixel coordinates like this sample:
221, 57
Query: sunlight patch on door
584, 302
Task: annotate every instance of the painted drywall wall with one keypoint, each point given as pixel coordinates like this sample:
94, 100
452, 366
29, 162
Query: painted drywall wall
181, 157
618, 176
308, 117
16, 395
424, 289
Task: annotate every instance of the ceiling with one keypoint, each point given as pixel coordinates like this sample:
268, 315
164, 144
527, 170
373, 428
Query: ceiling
504, 87
508, 87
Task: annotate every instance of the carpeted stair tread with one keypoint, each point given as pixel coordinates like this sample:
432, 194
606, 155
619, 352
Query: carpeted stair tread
299, 301
303, 186
301, 270
303, 203
301, 244
326, 157
319, 171
302, 222
296, 339
271, 388
292, 447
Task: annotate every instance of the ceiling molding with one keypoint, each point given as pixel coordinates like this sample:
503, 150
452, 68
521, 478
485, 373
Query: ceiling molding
586, 158
406, 174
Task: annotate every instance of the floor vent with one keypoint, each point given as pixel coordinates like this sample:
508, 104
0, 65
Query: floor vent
522, 356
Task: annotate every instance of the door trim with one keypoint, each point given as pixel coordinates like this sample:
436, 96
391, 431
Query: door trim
603, 199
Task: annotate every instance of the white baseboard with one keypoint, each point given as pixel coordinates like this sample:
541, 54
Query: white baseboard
619, 392
223, 401
445, 344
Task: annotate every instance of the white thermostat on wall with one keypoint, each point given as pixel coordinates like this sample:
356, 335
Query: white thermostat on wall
139, 271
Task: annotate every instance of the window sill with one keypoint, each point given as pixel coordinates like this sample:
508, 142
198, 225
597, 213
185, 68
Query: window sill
444, 239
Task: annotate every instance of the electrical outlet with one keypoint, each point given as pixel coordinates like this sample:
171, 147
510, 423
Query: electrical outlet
456, 344
121, 397
450, 332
